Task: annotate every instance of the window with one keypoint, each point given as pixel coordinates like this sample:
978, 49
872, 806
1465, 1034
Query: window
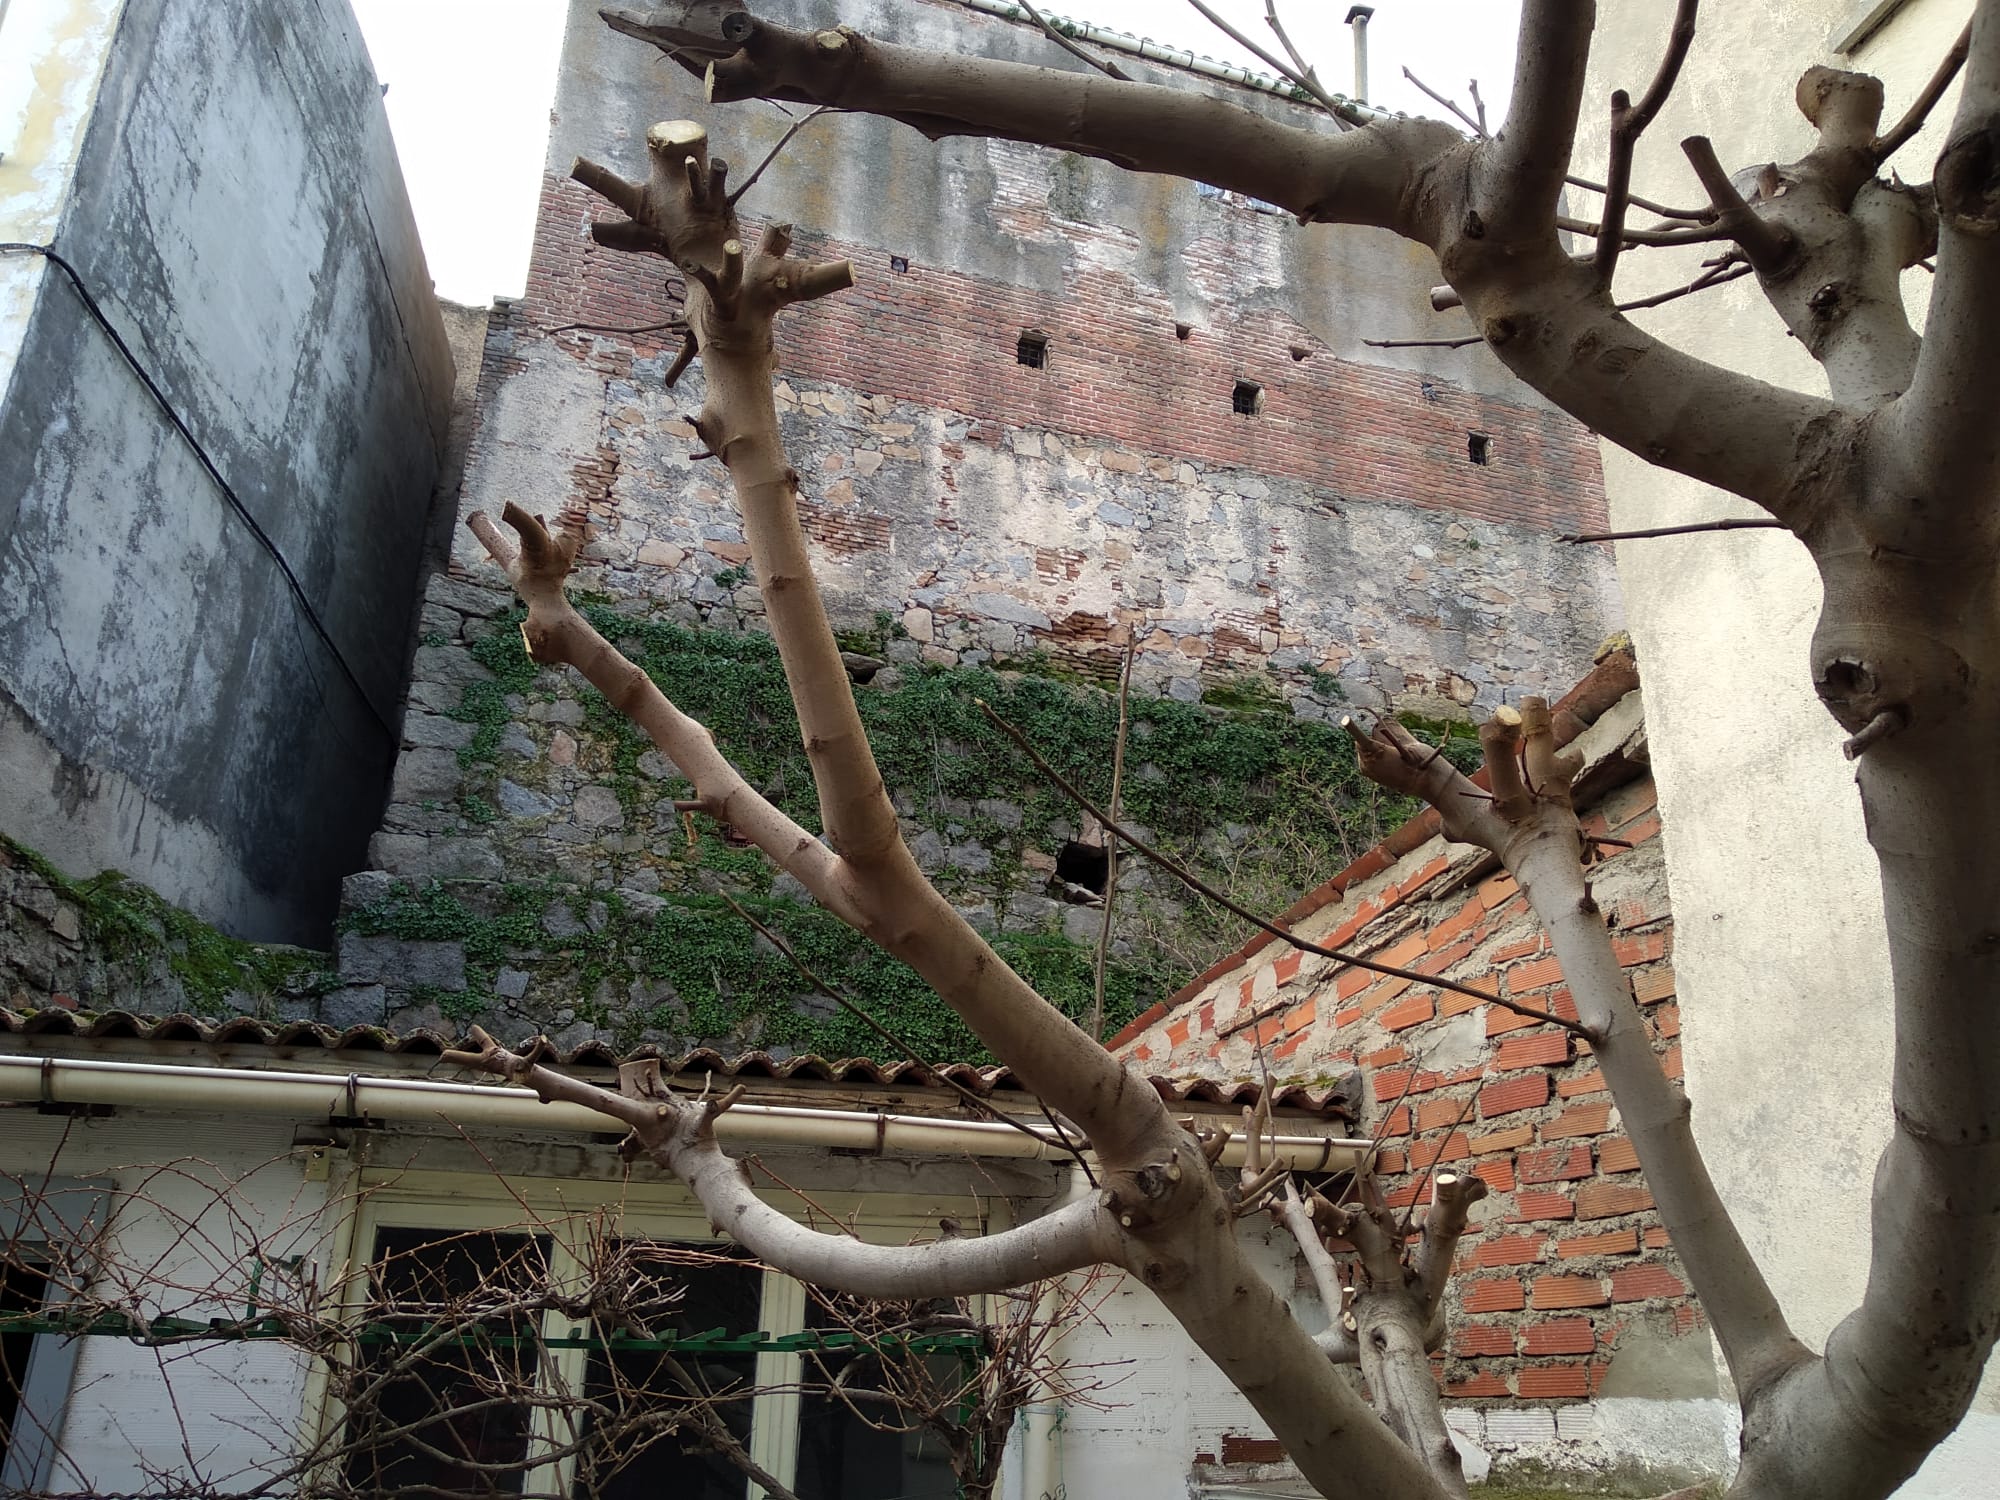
48, 1233
1247, 399
1478, 448
1033, 349
590, 1363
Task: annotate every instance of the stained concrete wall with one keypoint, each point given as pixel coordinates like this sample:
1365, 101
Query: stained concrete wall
1782, 969
221, 176
997, 510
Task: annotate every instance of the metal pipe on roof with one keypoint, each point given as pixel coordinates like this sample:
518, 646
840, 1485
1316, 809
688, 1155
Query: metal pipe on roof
1357, 18
324, 1096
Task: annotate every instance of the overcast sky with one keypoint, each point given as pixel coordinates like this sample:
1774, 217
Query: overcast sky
471, 83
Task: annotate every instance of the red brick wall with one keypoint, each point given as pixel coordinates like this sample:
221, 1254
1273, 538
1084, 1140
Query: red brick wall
1569, 1256
1117, 371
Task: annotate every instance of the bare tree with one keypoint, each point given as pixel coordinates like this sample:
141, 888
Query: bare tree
1888, 478
435, 1350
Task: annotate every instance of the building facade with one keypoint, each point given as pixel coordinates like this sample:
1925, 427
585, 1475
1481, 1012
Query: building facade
1772, 878
224, 392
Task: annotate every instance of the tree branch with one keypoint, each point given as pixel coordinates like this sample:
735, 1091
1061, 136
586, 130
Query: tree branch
1361, 177
1343, 115
1732, 523
1768, 247
1103, 65
1521, 171
1628, 123
680, 1136
1530, 823
1898, 136
1945, 432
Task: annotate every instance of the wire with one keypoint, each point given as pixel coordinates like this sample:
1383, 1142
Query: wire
229, 495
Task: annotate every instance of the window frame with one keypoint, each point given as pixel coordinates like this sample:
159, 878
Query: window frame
564, 1209
65, 1206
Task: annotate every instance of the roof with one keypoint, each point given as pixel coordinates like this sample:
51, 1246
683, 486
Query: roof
1615, 675
307, 1043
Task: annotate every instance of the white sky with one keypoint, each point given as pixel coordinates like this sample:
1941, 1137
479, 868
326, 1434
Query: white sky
471, 83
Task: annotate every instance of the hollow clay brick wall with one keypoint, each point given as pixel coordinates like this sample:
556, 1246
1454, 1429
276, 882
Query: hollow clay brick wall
1568, 1259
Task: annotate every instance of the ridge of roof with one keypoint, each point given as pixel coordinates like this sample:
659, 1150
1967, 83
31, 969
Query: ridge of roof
57, 1022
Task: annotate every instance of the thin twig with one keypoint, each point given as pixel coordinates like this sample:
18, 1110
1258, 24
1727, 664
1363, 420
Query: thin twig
1103, 65
1886, 146
1693, 234
1343, 116
1472, 338
838, 997
1713, 277
1111, 847
783, 141
1477, 127
1694, 215
1628, 123
1284, 39
1478, 104
1735, 523
1195, 883
1410, 1208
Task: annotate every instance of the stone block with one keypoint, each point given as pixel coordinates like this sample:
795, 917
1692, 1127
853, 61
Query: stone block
365, 888
425, 776
367, 958
466, 598
516, 801
435, 732
353, 1005
597, 807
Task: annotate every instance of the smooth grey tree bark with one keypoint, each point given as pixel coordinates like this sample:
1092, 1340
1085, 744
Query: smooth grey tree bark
1889, 477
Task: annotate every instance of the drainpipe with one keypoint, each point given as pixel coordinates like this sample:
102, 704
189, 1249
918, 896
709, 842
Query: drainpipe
1357, 17
320, 1096
1041, 1419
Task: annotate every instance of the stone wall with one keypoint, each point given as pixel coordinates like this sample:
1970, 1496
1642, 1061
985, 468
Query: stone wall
167, 707
970, 513
996, 508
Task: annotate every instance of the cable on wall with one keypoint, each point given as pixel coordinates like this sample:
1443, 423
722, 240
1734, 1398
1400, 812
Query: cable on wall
229, 494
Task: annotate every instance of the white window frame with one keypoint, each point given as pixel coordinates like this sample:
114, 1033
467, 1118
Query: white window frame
563, 1209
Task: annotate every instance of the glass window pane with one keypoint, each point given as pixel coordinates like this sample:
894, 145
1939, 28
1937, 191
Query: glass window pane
21, 1291
452, 1418
653, 1431
855, 1441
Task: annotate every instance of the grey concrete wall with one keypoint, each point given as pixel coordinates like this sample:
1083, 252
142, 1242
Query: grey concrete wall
165, 707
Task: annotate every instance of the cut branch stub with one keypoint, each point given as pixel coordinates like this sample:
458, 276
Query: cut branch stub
681, 212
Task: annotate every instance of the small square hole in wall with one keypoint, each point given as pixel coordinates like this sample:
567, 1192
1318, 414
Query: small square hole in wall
900, 264
1183, 331
1478, 448
1033, 349
1247, 399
